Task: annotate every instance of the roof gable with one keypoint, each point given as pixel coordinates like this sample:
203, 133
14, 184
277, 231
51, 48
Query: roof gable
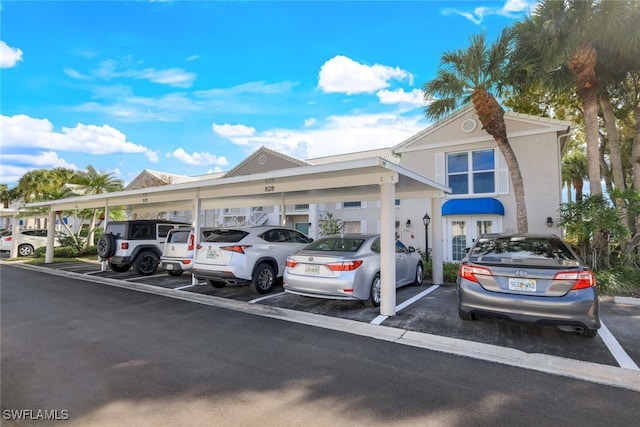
150, 178
463, 126
265, 160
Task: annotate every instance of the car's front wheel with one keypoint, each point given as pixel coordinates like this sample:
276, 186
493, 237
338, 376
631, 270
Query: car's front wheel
119, 268
263, 279
146, 263
374, 294
419, 275
25, 250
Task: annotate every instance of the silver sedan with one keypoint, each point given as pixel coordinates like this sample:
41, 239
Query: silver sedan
347, 267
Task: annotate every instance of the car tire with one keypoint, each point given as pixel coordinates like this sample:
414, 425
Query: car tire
25, 250
218, 284
106, 245
146, 263
264, 277
374, 294
466, 316
175, 273
588, 333
419, 279
119, 268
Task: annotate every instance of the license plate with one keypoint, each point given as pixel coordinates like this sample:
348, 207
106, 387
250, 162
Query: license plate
213, 253
311, 269
518, 284
169, 267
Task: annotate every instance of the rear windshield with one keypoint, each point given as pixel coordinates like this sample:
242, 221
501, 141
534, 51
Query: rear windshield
181, 236
340, 244
522, 249
117, 230
226, 236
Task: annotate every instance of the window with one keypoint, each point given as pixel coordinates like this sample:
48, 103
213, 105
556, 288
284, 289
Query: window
351, 204
471, 172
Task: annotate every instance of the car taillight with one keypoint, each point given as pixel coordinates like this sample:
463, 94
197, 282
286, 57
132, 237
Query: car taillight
7, 239
191, 242
345, 265
469, 272
186, 261
584, 279
235, 248
124, 246
198, 246
291, 263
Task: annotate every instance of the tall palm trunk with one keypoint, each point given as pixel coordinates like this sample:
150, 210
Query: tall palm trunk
582, 64
491, 116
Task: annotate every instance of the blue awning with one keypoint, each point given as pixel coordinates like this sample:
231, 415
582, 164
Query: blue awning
484, 205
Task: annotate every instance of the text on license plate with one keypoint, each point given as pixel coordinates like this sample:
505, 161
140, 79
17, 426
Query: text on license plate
519, 284
213, 253
311, 269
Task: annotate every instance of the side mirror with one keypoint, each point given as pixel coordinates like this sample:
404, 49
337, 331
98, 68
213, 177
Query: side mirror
411, 249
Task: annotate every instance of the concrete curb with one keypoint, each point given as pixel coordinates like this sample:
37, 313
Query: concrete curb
555, 365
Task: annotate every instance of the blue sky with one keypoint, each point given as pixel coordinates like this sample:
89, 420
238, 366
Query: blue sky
194, 87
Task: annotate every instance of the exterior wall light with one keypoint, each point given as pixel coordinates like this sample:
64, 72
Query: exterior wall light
408, 223
549, 222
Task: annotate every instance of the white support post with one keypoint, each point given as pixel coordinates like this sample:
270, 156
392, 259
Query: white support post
437, 245
387, 249
51, 236
197, 206
15, 230
103, 262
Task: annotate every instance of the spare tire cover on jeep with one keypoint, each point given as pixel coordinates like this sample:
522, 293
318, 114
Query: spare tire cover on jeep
106, 245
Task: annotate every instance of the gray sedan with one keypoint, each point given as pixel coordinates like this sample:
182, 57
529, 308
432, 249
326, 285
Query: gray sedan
528, 278
347, 267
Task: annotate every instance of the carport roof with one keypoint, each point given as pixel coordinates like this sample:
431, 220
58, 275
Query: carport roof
334, 182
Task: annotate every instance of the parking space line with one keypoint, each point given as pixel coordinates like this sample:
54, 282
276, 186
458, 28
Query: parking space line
185, 287
378, 320
616, 349
253, 301
93, 272
143, 277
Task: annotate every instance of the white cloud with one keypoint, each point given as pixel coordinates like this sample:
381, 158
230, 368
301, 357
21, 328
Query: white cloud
176, 77
9, 56
310, 122
198, 159
344, 75
414, 98
510, 9
227, 130
26, 132
75, 74
336, 135
14, 166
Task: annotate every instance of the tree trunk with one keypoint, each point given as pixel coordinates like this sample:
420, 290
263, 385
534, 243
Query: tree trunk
491, 116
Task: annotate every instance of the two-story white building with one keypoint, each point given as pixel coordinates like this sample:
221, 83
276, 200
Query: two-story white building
454, 152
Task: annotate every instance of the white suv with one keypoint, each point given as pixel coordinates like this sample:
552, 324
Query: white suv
253, 255
136, 243
28, 241
177, 256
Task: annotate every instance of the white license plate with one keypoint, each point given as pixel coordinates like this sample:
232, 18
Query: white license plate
518, 284
311, 269
213, 253
169, 267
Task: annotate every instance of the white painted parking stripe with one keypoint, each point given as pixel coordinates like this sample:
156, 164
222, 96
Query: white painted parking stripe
143, 277
185, 287
616, 349
94, 272
378, 320
253, 301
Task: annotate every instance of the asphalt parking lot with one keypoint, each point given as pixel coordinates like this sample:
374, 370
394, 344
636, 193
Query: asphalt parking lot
432, 310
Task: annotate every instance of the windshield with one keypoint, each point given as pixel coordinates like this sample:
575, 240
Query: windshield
340, 244
532, 249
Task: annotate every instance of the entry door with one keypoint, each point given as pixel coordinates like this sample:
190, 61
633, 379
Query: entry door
462, 231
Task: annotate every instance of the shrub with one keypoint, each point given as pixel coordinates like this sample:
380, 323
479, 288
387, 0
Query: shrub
58, 252
622, 280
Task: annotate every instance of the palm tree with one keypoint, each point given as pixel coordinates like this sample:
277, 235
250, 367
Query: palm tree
92, 181
586, 45
574, 172
474, 75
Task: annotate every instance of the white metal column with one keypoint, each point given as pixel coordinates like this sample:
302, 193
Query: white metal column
15, 230
437, 252
197, 205
103, 262
387, 249
51, 236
